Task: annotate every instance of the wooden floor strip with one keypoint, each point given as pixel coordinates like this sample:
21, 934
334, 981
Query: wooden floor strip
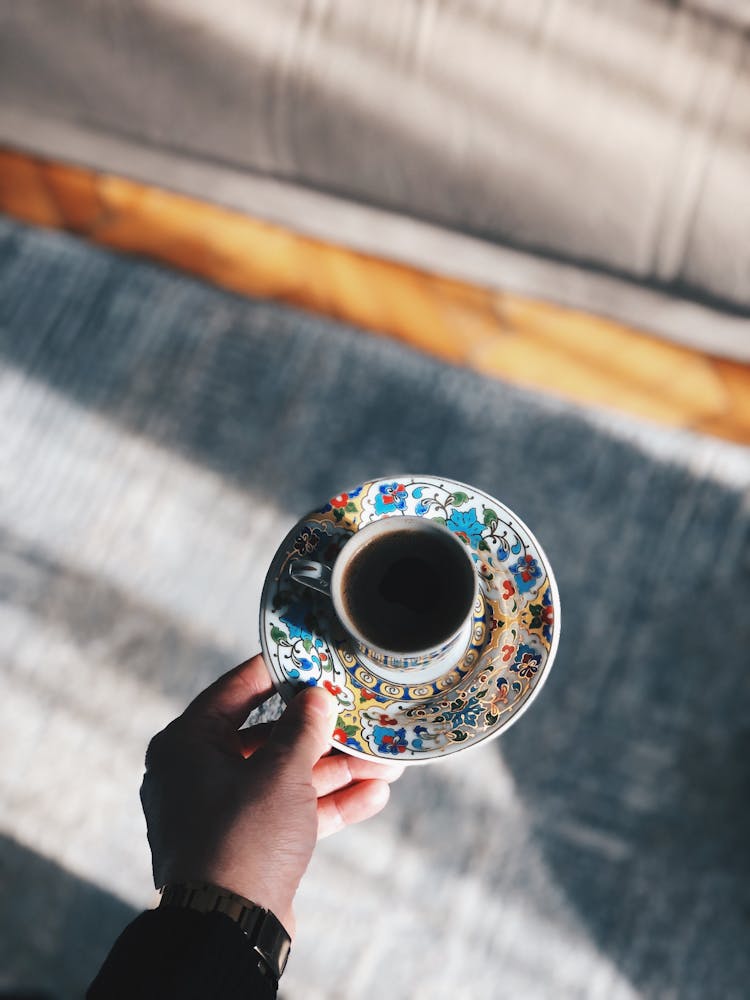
551, 348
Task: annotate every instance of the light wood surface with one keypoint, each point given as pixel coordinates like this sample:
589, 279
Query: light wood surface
576, 355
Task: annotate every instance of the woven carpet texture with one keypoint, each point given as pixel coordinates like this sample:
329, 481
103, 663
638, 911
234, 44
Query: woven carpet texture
159, 438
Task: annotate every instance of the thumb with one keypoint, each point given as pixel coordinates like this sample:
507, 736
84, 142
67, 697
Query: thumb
304, 730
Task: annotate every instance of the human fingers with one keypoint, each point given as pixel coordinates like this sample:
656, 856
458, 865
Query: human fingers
254, 737
304, 731
338, 770
352, 804
234, 695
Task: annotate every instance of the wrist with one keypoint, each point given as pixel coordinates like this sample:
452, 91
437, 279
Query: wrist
268, 892
265, 933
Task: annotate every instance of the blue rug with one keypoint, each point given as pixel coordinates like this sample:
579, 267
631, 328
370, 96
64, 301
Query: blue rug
162, 435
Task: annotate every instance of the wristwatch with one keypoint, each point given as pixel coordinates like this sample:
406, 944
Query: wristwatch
263, 930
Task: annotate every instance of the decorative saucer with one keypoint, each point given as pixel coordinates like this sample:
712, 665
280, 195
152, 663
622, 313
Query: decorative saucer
516, 625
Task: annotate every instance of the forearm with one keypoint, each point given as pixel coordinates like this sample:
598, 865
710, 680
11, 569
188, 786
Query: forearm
170, 952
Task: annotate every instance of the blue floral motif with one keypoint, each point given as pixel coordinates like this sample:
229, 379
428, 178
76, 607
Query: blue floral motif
525, 572
527, 661
465, 524
390, 497
296, 631
297, 620
417, 742
304, 664
390, 740
466, 716
355, 492
502, 552
421, 509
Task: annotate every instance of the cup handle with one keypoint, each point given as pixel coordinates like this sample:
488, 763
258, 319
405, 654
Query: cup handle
312, 574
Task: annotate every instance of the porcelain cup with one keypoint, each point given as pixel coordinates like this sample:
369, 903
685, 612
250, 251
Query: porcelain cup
329, 579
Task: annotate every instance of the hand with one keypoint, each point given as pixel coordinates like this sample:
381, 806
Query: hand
242, 808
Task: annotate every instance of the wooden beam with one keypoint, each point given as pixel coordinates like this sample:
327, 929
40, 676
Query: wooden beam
550, 348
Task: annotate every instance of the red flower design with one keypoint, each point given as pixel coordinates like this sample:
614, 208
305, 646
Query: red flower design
391, 495
367, 694
386, 720
508, 589
392, 739
340, 501
333, 688
339, 735
501, 698
527, 571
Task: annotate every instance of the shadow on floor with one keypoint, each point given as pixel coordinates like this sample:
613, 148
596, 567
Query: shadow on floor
74, 928
639, 798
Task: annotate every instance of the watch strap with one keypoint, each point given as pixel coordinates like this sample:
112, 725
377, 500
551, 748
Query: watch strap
264, 931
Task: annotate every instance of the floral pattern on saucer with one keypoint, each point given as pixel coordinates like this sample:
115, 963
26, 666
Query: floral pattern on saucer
514, 637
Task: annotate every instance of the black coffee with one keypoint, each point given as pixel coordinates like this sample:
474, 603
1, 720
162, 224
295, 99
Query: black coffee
408, 590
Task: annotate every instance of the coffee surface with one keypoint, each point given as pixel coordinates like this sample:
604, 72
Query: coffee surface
408, 590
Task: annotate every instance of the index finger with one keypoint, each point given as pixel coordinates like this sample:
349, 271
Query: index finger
235, 694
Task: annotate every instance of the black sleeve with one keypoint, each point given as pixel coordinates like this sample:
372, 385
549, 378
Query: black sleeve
171, 952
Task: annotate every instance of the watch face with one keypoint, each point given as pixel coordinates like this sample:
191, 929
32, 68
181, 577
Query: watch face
273, 943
